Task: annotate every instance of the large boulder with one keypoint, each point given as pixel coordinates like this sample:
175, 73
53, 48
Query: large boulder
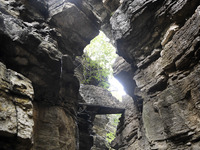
95, 95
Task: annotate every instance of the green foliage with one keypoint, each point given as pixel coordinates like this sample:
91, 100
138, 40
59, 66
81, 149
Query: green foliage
93, 73
114, 119
99, 57
110, 137
102, 51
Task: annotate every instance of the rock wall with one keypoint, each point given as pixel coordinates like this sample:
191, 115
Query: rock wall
160, 41
16, 110
40, 39
99, 129
128, 128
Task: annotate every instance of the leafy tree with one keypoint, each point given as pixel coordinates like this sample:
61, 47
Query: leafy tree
99, 57
101, 50
93, 73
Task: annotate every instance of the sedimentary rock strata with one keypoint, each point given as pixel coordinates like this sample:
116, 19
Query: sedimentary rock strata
158, 44
159, 39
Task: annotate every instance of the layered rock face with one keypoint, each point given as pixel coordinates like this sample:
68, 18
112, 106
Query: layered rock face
40, 40
128, 128
16, 110
160, 41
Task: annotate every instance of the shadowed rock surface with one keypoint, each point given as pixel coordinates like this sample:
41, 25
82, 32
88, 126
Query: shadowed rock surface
158, 41
40, 40
16, 110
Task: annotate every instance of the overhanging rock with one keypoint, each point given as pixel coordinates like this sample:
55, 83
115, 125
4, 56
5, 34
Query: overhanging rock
77, 23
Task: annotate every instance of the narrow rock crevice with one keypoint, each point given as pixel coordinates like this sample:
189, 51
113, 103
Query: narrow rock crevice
158, 44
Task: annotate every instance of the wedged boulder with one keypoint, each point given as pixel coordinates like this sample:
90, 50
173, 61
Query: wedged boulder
99, 96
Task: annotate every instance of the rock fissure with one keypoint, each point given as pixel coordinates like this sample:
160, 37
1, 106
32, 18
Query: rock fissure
158, 44
17, 121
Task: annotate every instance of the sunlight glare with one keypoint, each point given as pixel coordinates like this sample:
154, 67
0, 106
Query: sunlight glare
115, 86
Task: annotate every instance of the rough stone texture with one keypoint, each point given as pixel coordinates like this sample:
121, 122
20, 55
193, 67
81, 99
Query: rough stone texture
128, 127
40, 39
152, 19
85, 129
99, 128
16, 110
54, 129
123, 71
160, 41
72, 19
111, 5
103, 11
103, 125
